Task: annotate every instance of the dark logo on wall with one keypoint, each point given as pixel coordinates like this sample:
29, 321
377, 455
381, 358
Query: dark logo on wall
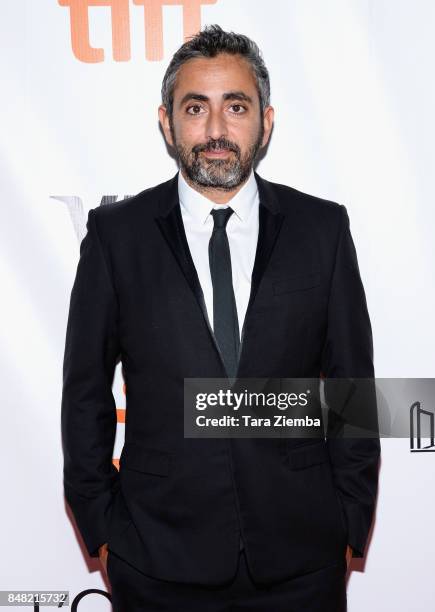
421, 422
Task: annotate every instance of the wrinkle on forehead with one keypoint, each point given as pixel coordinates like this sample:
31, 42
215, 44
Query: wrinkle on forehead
216, 76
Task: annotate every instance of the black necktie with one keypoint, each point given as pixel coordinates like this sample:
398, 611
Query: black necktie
225, 322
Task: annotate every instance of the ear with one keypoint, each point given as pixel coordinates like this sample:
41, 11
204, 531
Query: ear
268, 117
164, 122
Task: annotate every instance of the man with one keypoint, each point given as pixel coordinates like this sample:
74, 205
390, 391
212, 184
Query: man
215, 273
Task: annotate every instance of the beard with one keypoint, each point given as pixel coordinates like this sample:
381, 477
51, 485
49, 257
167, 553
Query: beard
225, 174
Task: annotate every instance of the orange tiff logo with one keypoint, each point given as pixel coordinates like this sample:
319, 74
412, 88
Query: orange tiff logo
120, 14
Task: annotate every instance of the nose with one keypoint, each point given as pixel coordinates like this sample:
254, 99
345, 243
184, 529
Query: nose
216, 125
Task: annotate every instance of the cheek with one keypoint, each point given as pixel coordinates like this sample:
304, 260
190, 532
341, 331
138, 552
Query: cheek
245, 141
189, 133
245, 134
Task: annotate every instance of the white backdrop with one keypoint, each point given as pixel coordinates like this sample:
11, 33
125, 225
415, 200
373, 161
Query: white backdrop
353, 92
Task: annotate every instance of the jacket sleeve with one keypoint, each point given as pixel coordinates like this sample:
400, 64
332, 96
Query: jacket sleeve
348, 353
88, 411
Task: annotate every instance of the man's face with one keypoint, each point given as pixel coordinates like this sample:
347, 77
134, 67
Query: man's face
217, 127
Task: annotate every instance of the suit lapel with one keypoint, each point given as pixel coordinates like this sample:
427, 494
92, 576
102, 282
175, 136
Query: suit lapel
172, 228
270, 222
170, 223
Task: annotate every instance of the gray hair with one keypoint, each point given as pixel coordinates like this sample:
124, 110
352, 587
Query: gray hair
209, 42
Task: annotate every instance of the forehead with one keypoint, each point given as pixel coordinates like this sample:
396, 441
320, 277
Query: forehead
215, 75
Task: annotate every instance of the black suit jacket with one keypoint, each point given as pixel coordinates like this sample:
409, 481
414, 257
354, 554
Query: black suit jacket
175, 508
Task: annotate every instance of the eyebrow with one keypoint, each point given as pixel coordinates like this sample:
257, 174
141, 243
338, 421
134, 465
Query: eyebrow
230, 95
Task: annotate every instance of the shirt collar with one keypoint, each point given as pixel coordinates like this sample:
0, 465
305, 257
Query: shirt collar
198, 206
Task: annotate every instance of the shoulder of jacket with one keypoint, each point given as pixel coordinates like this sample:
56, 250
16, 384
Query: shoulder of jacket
128, 210
288, 195
313, 208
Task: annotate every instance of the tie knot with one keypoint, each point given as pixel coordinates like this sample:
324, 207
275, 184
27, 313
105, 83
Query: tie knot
221, 216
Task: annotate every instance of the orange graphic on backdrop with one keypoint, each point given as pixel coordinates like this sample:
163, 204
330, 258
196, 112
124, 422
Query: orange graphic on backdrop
120, 15
120, 418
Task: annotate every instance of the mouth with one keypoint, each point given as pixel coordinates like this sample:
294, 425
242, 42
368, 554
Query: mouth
217, 153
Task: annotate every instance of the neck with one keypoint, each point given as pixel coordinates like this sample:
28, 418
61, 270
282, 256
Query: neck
218, 195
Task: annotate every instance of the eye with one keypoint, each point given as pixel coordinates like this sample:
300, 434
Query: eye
239, 109
195, 108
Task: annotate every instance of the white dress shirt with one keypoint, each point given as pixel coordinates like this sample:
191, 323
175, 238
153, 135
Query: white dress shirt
242, 232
